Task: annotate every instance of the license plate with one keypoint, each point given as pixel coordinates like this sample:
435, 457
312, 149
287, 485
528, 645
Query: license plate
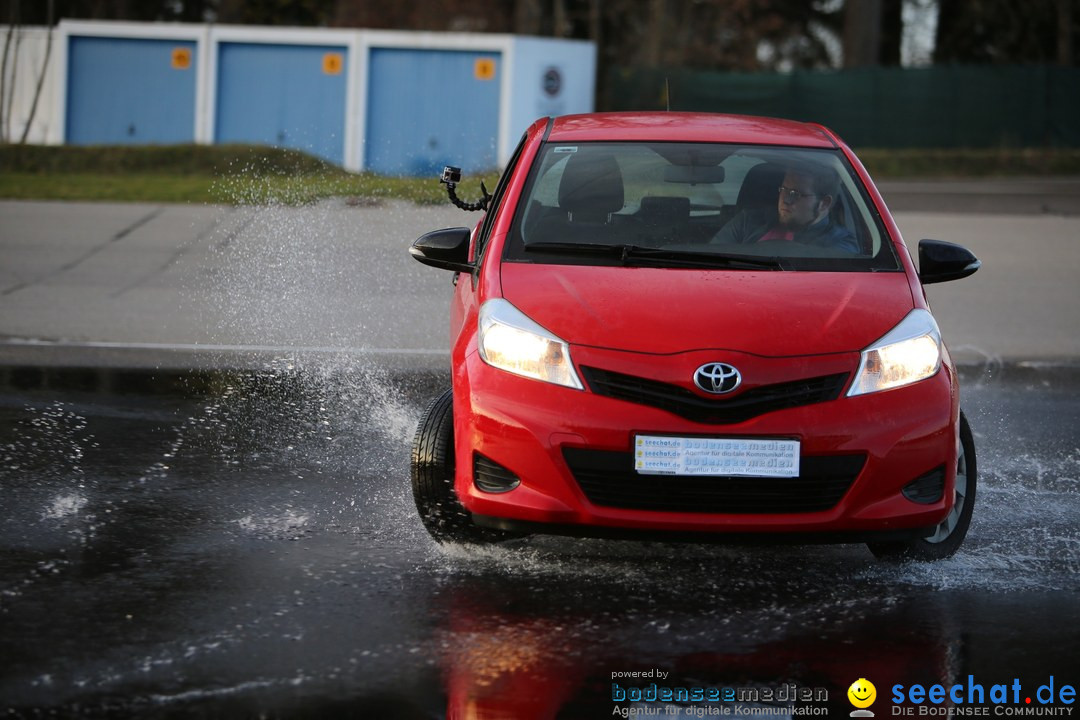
663, 455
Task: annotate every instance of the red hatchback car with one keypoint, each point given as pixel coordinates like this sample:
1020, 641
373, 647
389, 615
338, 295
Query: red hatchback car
693, 326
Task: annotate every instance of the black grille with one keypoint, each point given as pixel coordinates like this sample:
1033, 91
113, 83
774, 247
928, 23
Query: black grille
489, 476
720, 410
609, 479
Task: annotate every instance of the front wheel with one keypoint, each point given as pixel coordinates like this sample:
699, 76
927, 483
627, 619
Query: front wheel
948, 536
432, 471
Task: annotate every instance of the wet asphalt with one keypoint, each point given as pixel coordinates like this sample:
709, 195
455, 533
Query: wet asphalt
249, 549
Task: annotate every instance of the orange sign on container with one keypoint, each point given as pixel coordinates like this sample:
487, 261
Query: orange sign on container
181, 58
332, 63
484, 69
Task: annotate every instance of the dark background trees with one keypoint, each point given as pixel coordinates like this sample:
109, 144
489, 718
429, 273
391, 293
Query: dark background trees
744, 35
1005, 31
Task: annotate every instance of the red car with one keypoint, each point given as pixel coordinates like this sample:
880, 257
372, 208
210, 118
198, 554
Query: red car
693, 326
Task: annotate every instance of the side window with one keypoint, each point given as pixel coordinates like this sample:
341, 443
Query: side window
546, 190
496, 199
857, 218
544, 195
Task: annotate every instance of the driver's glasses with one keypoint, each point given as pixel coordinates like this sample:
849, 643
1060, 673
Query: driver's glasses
792, 196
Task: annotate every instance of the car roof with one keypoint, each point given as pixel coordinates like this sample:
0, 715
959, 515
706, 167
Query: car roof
688, 127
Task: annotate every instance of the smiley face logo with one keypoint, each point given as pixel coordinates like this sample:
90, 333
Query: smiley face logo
862, 693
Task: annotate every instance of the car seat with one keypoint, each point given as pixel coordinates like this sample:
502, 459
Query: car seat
760, 187
590, 192
591, 188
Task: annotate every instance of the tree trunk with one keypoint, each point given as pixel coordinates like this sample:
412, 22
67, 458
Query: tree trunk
4, 69
560, 18
1065, 32
528, 17
41, 77
653, 42
949, 20
862, 32
892, 32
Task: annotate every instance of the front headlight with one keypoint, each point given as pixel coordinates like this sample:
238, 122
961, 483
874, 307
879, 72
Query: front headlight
510, 341
908, 353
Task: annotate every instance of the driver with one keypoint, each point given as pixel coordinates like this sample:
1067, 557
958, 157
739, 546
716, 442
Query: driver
802, 210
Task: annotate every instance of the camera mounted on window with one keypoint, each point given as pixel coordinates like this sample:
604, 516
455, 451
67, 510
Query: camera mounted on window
451, 176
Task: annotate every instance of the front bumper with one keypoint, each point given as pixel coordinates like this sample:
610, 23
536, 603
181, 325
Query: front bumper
571, 452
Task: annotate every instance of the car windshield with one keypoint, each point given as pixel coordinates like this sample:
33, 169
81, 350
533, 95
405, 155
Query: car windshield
697, 205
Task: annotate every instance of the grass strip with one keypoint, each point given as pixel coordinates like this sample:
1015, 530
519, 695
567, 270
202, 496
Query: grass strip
960, 163
246, 174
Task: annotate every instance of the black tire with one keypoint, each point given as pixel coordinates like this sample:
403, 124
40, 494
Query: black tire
432, 470
950, 534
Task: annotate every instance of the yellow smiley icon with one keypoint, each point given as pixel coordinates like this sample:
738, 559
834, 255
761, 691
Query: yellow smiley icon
862, 693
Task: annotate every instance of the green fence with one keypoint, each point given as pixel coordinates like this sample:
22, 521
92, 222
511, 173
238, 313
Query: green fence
939, 107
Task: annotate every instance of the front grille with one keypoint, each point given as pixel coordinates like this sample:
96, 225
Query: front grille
719, 410
609, 479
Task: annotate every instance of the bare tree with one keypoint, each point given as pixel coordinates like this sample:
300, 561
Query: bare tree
862, 32
1065, 32
12, 41
9, 101
528, 17
41, 75
892, 31
1006, 32
13, 23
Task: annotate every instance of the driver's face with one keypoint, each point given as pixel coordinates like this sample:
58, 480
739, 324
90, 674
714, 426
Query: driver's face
797, 205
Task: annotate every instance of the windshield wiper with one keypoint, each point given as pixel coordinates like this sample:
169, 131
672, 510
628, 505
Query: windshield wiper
636, 254
702, 258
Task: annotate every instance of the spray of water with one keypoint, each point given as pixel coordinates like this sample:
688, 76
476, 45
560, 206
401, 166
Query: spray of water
292, 275
43, 465
42, 474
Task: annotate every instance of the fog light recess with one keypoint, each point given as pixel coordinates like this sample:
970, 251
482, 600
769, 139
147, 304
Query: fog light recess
491, 477
926, 489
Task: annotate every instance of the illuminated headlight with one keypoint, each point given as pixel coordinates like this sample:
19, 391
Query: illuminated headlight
908, 353
510, 341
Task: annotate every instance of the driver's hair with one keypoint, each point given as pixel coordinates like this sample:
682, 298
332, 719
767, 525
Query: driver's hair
825, 179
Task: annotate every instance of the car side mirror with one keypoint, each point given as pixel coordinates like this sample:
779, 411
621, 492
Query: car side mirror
941, 261
445, 249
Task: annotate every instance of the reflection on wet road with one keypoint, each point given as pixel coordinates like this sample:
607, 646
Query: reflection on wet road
254, 549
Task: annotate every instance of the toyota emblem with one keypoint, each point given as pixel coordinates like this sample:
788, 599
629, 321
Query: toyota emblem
717, 378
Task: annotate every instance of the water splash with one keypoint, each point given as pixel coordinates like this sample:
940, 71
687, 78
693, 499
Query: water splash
289, 525
43, 465
290, 273
209, 419
65, 506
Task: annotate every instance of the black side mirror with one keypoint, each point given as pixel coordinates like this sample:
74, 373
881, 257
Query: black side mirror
941, 261
445, 249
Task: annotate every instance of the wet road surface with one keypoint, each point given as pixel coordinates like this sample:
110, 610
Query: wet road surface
248, 547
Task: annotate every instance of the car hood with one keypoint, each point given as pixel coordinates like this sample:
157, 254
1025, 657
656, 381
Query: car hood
662, 310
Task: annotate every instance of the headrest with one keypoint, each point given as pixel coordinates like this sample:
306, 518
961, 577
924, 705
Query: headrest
761, 186
591, 184
658, 210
